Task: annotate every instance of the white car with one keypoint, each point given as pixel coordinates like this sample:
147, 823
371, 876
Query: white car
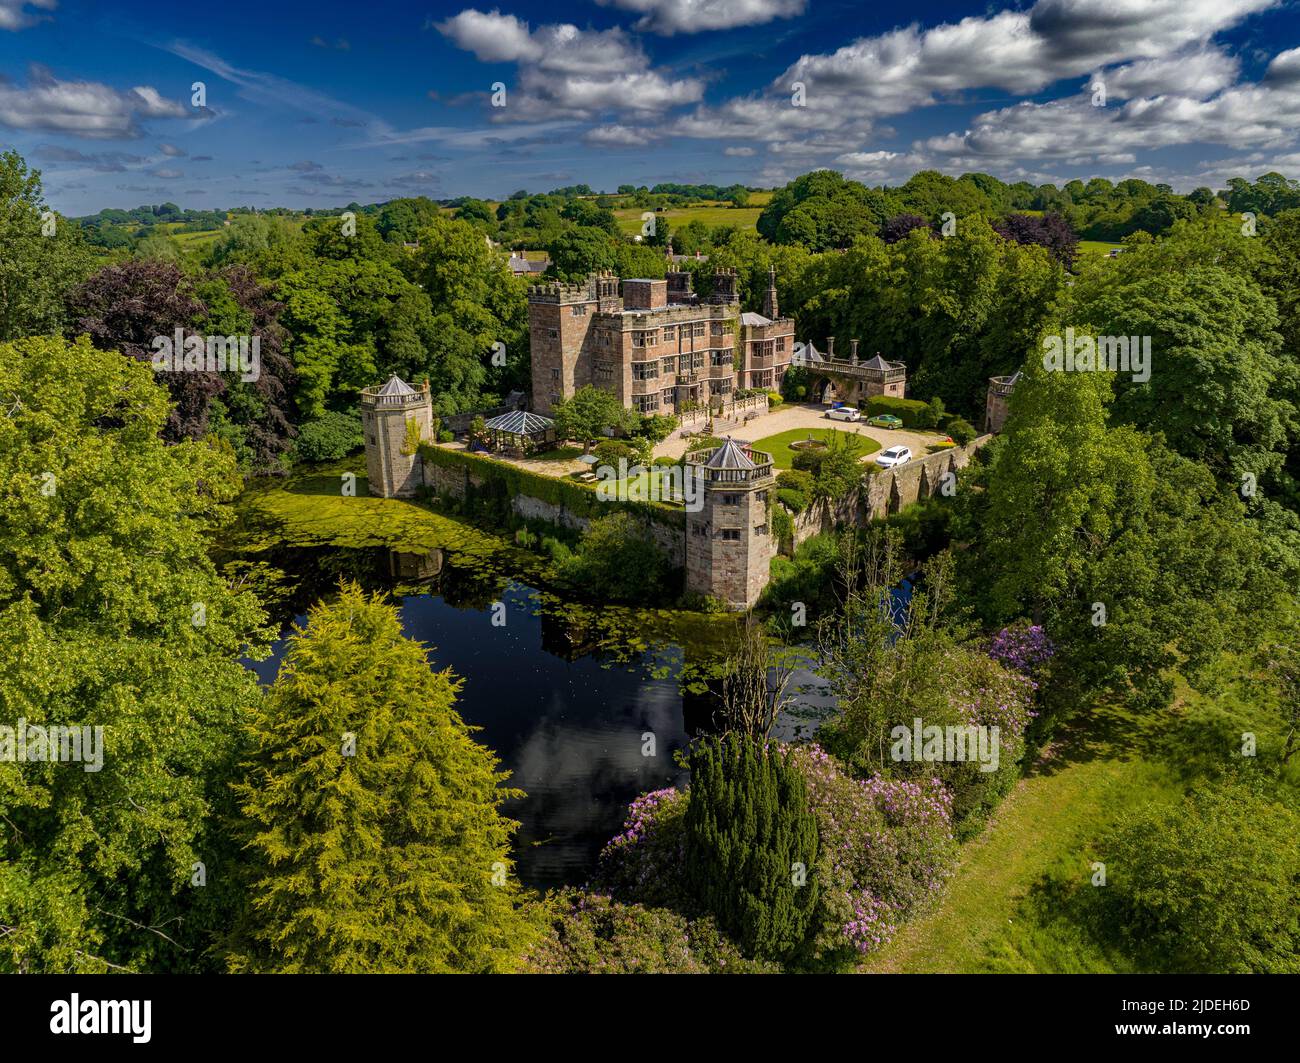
894, 456
844, 413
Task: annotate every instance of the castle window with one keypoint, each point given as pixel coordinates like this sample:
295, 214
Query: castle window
722, 358
780, 343
555, 375
646, 338
669, 365
718, 329
646, 403
578, 311
554, 333
697, 360
603, 370
645, 370
670, 332
729, 535
697, 329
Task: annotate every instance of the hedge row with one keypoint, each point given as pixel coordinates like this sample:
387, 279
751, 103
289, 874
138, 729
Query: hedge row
577, 498
906, 410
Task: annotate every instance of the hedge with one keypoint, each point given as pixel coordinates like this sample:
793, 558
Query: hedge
577, 498
907, 410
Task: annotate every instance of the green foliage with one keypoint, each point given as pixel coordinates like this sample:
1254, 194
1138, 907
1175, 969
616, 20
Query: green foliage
112, 615
822, 211
373, 818
586, 414
592, 934
1210, 884
961, 430
36, 270
748, 830
912, 412
330, 437
617, 560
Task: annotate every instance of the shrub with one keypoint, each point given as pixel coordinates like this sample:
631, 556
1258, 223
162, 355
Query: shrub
782, 526
910, 411
617, 560
793, 500
961, 430
1210, 884
887, 848
933, 415
609, 451
592, 933
796, 480
748, 825
446, 436
644, 861
332, 436
774, 400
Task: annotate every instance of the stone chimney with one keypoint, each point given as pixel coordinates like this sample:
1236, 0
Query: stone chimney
830, 347
770, 308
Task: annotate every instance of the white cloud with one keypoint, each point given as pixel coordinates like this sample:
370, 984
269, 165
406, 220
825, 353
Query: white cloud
565, 71
618, 136
694, 16
14, 16
81, 108
743, 153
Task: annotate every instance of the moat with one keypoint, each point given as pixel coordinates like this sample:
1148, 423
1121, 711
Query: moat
569, 696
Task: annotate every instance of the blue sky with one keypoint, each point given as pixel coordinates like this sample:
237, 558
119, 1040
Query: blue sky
322, 103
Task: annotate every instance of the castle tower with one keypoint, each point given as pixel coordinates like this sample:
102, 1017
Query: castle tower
729, 540
724, 287
997, 404
393, 417
770, 308
559, 318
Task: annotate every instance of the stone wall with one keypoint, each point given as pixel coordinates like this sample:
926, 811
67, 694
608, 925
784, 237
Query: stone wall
453, 481
885, 492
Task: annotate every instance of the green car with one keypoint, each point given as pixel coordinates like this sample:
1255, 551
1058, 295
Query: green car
885, 420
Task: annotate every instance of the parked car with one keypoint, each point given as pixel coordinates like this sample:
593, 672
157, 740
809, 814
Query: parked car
894, 456
844, 413
886, 420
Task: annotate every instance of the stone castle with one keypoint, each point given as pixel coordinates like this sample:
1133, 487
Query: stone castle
656, 344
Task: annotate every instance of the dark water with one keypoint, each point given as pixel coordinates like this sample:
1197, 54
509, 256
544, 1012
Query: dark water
569, 730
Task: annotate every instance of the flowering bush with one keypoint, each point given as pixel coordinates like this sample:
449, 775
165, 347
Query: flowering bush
646, 859
1024, 647
592, 932
887, 847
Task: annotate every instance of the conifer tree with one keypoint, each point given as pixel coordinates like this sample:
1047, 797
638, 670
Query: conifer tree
752, 844
374, 822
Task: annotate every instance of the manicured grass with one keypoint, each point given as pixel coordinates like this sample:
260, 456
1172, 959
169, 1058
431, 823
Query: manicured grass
779, 445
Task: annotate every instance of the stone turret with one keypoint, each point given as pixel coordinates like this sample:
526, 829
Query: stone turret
997, 404
770, 307
394, 417
729, 541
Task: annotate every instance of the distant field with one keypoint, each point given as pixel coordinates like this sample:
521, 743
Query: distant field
1096, 247
712, 215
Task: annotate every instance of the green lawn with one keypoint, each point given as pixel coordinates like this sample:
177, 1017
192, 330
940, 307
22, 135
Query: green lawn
779, 445
1007, 907
1096, 247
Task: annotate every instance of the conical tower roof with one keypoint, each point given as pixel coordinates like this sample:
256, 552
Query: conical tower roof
729, 456
396, 387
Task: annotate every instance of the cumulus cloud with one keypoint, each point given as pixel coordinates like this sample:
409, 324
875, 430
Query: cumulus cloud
101, 161
172, 151
15, 16
81, 108
565, 71
617, 136
694, 16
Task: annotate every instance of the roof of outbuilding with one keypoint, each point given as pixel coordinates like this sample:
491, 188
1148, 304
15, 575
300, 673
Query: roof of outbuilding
519, 423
